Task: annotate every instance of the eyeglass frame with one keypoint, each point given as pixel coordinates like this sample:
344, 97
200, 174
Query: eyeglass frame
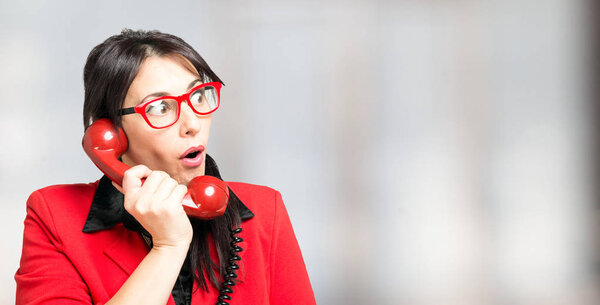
179, 99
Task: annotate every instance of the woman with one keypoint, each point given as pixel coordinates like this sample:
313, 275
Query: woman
101, 243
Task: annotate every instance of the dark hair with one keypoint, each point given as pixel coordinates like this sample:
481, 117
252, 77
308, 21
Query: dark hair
109, 71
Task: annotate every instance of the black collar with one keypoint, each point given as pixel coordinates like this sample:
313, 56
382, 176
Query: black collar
107, 206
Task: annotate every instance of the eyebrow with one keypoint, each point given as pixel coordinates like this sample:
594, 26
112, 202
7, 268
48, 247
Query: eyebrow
163, 93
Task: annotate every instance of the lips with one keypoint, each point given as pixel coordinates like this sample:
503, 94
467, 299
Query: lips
192, 156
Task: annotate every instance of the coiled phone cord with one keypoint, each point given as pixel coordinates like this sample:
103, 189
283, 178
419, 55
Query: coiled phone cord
231, 268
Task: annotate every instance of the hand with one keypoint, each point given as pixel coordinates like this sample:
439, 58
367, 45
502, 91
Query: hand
156, 204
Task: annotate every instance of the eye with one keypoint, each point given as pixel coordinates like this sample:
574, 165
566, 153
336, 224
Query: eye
197, 96
159, 108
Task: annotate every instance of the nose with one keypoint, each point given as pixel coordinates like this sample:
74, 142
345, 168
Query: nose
190, 122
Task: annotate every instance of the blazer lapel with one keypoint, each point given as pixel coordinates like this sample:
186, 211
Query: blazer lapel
128, 251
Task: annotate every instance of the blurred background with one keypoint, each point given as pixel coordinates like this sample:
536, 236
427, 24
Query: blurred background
428, 152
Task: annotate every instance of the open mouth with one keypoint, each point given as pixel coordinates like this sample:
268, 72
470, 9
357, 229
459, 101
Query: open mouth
193, 156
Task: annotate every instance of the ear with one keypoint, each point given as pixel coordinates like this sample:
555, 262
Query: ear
126, 155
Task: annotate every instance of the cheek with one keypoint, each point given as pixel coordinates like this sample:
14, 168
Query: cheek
145, 146
152, 146
206, 127
153, 153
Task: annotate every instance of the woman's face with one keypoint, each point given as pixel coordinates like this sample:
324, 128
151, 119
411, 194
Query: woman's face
164, 149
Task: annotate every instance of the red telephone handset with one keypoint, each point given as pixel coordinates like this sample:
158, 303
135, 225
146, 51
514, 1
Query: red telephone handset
207, 196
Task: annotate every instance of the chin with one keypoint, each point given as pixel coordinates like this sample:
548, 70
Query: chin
187, 177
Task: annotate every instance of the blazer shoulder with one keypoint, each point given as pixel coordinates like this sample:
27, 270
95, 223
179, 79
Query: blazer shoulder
255, 197
64, 200
64, 192
248, 187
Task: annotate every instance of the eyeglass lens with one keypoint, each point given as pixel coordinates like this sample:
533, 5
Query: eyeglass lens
164, 112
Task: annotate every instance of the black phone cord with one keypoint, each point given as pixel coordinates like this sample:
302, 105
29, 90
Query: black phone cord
231, 268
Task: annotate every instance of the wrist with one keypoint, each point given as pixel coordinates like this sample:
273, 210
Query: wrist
175, 241
171, 248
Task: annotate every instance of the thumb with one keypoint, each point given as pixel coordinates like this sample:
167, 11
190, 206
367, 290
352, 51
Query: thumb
118, 187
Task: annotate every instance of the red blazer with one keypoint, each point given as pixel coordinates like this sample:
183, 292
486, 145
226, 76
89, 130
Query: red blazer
62, 265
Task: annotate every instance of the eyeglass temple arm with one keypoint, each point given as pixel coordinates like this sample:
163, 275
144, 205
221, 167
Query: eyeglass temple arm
125, 111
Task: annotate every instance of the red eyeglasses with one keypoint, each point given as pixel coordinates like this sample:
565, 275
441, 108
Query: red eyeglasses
164, 111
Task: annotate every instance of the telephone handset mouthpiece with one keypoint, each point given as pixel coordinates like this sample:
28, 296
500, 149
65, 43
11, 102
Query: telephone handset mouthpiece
104, 143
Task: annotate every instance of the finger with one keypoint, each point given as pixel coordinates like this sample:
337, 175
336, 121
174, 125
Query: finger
176, 198
118, 187
178, 193
165, 188
132, 178
153, 181
141, 205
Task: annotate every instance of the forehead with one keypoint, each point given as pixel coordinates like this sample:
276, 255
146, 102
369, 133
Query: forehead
170, 74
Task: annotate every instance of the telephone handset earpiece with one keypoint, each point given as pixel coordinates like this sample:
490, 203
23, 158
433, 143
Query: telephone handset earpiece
207, 196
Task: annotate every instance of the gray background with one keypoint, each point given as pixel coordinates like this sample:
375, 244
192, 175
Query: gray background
428, 152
